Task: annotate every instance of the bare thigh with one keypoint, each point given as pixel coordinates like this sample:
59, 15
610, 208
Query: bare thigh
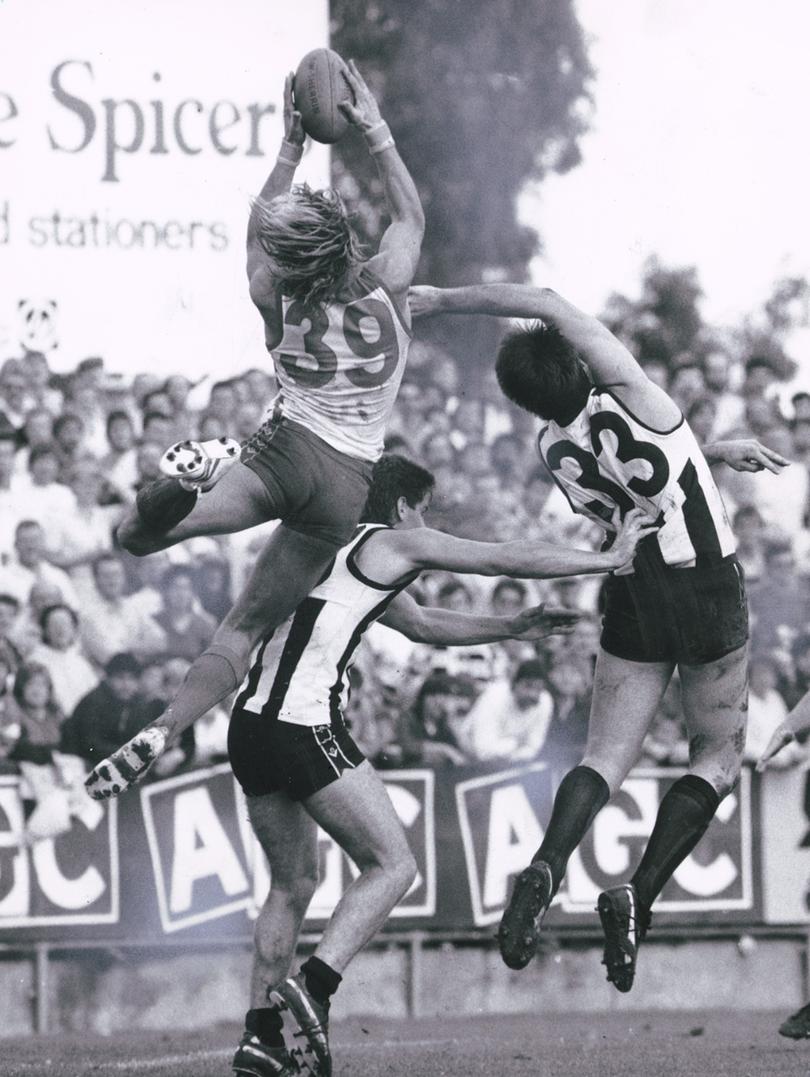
357, 812
288, 836
238, 501
288, 567
626, 696
715, 702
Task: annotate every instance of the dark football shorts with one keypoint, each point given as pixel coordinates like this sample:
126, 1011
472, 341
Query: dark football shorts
311, 487
689, 615
269, 756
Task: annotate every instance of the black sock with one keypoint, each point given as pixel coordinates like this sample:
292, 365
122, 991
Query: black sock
683, 816
321, 980
164, 503
581, 794
267, 1024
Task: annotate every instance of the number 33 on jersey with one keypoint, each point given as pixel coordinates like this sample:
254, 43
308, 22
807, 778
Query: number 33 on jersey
339, 366
607, 462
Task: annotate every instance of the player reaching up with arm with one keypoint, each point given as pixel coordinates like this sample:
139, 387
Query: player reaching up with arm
310, 463
294, 756
608, 363
401, 553
614, 441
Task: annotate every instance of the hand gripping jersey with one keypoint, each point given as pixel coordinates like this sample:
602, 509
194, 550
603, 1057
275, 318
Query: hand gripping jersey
299, 671
607, 462
339, 366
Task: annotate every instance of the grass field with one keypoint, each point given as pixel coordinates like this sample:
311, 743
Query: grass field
556, 1045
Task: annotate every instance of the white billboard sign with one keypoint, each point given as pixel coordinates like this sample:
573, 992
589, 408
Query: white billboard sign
132, 135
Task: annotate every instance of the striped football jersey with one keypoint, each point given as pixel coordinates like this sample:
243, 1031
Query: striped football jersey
299, 672
608, 462
339, 366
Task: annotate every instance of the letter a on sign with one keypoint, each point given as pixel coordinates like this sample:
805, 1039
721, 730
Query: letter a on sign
514, 834
201, 850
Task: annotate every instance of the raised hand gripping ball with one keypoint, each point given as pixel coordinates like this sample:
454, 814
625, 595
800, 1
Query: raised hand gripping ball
318, 88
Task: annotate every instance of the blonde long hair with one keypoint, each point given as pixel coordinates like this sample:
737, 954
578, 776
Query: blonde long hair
308, 240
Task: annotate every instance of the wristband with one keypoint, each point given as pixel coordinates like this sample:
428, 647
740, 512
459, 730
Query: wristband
381, 132
290, 152
374, 150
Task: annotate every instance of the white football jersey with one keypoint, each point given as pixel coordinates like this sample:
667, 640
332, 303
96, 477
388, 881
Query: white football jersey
339, 366
608, 462
298, 673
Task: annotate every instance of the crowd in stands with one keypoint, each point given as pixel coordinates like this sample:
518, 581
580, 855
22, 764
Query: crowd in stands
93, 642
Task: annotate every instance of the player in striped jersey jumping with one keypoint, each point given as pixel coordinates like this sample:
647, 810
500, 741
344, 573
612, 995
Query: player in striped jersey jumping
295, 758
613, 442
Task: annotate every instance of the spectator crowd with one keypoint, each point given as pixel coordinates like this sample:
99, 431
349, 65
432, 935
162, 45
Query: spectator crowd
94, 642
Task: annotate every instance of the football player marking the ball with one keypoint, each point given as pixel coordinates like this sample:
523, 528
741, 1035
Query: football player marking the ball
615, 441
337, 328
298, 765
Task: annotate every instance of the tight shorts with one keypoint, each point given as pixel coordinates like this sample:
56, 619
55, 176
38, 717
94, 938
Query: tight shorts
689, 615
311, 486
269, 756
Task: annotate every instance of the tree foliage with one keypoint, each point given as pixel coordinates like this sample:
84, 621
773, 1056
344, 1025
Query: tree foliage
481, 95
666, 324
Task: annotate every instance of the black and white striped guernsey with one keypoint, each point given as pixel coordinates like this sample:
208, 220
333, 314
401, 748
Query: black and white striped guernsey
608, 462
298, 672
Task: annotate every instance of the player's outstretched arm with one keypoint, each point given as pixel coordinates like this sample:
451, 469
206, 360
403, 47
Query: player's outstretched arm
745, 454
401, 243
797, 722
452, 629
422, 548
610, 363
280, 179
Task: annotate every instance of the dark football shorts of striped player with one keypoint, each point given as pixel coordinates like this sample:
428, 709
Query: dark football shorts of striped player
294, 756
615, 442
336, 323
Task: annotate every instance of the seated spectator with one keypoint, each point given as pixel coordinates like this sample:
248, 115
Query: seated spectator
434, 733
749, 530
686, 385
29, 566
86, 527
110, 713
507, 459
120, 463
147, 462
40, 715
14, 397
111, 620
68, 436
13, 501
26, 632
9, 611
766, 710
59, 652
44, 788
37, 433
10, 712
701, 416
212, 576
779, 602
188, 629
158, 429
567, 731
717, 372
510, 718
